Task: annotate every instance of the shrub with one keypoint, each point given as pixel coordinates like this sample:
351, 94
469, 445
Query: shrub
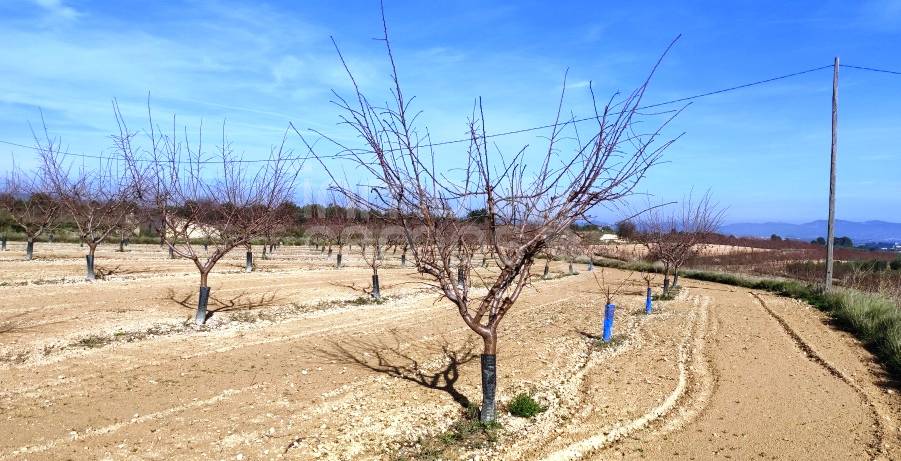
524, 406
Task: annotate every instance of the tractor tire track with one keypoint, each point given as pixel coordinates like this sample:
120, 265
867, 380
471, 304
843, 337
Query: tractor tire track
611, 434
811, 354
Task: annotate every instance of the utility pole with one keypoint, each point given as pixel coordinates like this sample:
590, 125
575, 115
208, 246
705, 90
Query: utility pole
830, 237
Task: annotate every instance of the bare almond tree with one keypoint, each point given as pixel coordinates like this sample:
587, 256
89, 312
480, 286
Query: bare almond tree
526, 203
281, 222
376, 241
570, 245
675, 235
207, 203
97, 199
337, 223
27, 199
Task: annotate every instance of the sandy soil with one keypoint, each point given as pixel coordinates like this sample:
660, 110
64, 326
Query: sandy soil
633, 251
292, 366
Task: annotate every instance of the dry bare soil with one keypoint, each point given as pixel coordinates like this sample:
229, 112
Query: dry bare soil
295, 363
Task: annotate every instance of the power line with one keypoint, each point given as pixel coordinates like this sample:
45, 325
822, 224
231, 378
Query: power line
871, 69
651, 106
522, 130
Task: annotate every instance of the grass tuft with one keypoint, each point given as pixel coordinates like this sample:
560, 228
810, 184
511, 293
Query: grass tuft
93, 341
616, 340
667, 295
524, 406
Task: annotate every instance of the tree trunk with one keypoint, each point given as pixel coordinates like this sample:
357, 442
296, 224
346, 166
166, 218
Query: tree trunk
571, 271
376, 291
338, 261
171, 252
264, 252
675, 277
546, 269
489, 380
3, 243
609, 310
460, 279
121, 245
202, 300
89, 262
248, 261
666, 281
29, 249
403, 259
330, 252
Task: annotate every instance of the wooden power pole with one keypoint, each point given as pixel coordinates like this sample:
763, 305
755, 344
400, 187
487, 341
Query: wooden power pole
830, 233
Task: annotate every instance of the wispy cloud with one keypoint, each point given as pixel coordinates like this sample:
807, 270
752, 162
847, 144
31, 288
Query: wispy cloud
58, 9
262, 64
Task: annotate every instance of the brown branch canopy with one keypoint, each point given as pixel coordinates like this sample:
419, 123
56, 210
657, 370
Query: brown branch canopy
524, 204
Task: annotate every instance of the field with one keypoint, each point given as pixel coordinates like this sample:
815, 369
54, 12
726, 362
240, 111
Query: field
869, 271
297, 362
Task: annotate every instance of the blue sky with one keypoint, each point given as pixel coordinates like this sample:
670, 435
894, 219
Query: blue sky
763, 151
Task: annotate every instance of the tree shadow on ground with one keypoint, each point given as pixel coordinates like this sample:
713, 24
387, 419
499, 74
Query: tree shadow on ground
240, 302
398, 361
104, 272
12, 324
591, 336
16, 324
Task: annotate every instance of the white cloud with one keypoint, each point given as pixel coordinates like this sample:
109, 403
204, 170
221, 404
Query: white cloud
58, 9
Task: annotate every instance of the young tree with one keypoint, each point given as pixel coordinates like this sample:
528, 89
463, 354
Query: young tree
98, 200
675, 235
282, 220
213, 198
526, 203
570, 245
337, 222
125, 229
625, 229
27, 199
376, 240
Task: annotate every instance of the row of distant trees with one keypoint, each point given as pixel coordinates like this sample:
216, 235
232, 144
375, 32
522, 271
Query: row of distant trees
839, 241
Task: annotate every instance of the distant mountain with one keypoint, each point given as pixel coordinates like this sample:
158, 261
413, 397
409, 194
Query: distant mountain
860, 232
